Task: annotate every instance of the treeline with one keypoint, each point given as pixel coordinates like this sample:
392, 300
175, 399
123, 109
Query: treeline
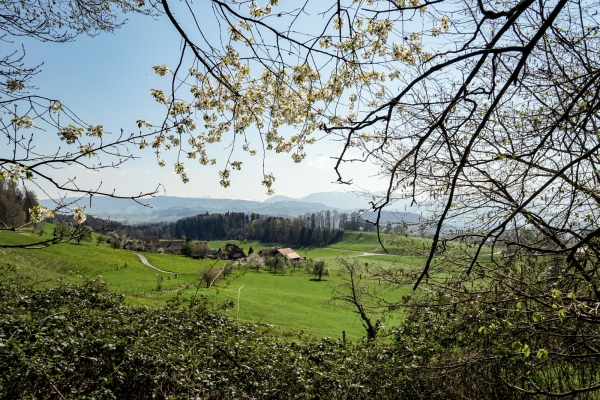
15, 203
310, 230
307, 230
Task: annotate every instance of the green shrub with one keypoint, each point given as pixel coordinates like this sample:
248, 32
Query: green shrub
79, 342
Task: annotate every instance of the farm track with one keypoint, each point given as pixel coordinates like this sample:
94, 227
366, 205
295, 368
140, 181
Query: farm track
147, 264
362, 253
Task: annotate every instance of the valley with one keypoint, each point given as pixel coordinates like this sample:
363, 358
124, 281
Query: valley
292, 300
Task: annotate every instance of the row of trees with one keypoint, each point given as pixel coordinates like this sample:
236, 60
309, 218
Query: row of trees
314, 229
278, 265
308, 230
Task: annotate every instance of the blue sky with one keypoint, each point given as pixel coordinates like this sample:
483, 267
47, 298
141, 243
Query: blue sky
107, 80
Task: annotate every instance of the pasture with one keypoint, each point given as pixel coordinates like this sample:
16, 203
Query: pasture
294, 300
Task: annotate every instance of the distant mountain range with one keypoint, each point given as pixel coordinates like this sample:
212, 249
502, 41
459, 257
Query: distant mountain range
338, 200
344, 201
171, 208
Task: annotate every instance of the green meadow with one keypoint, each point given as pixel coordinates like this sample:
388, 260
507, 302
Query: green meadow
292, 301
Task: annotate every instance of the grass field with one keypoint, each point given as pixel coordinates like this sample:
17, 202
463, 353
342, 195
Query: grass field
293, 301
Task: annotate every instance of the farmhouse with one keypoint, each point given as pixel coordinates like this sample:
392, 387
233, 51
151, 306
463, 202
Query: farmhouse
172, 246
213, 254
230, 252
278, 251
150, 242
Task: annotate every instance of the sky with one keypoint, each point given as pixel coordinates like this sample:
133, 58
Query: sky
107, 79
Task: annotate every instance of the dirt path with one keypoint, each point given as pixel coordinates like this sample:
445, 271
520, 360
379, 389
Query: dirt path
361, 253
147, 264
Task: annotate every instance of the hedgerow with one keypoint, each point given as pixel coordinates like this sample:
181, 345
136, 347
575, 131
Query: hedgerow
83, 342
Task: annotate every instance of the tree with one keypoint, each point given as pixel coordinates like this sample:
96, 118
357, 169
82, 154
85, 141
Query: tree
27, 115
308, 265
85, 234
255, 260
64, 231
201, 250
480, 112
277, 264
12, 215
475, 110
227, 269
320, 268
187, 248
116, 240
210, 276
362, 296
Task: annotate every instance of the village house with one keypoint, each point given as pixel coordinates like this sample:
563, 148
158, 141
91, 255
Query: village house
285, 252
172, 246
212, 254
151, 243
230, 252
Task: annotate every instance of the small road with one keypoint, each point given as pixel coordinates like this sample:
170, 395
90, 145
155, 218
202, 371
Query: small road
361, 253
147, 264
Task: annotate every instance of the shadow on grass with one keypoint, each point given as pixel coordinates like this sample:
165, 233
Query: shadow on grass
317, 280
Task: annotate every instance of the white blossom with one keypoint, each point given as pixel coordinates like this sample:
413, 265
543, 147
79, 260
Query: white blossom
70, 133
79, 216
268, 181
23, 122
40, 213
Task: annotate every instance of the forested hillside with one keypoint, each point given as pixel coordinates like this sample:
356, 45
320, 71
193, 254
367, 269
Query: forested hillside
314, 229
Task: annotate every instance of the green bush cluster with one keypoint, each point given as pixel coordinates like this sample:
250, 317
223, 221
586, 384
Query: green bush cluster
512, 334
83, 342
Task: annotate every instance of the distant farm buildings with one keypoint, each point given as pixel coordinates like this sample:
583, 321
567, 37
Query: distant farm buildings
230, 252
151, 243
285, 252
172, 246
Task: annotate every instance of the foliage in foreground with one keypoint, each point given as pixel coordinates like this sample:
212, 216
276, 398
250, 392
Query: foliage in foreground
506, 333
84, 342
523, 325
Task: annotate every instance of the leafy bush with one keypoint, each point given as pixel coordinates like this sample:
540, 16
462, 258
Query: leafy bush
504, 333
84, 342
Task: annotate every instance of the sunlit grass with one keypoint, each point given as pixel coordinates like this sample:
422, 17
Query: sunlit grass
293, 301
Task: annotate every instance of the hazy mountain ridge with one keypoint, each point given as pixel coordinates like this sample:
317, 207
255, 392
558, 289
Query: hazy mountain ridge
172, 208
338, 200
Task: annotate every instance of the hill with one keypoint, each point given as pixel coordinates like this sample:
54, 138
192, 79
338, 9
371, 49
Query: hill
342, 201
171, 208
339, 200
293, 301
